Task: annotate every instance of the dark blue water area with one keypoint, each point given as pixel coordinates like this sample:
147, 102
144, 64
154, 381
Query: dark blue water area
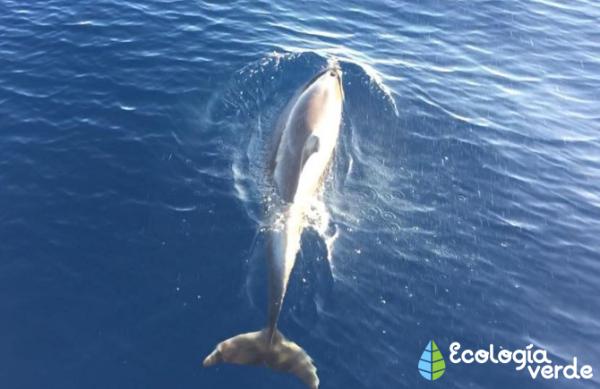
465, 189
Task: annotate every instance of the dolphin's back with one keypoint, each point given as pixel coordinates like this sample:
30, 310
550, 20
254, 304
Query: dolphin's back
298, 123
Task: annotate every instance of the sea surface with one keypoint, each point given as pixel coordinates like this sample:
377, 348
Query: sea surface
463, 203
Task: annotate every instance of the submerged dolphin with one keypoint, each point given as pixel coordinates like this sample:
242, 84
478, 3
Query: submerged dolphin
307, 132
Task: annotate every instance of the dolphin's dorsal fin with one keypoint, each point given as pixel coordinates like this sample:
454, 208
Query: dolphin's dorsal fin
310, 147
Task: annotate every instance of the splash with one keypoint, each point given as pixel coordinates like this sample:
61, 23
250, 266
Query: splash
319, 219
377, 80
246, 112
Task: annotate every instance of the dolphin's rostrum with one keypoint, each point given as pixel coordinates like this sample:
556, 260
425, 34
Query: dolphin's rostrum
307, 132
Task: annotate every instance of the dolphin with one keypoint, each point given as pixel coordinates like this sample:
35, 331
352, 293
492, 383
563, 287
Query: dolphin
306, 135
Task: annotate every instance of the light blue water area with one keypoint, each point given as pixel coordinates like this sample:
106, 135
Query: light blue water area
465, 189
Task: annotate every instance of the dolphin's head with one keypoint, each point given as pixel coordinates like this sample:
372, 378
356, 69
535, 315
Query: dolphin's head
336, 72
324, 95
328, 80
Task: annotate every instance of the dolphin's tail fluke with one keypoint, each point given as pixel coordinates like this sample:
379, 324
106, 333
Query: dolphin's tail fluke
254, 348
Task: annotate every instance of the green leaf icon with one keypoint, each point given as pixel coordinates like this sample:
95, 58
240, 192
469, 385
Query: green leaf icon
431, 364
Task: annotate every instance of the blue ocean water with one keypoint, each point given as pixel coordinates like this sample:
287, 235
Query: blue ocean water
465, 191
